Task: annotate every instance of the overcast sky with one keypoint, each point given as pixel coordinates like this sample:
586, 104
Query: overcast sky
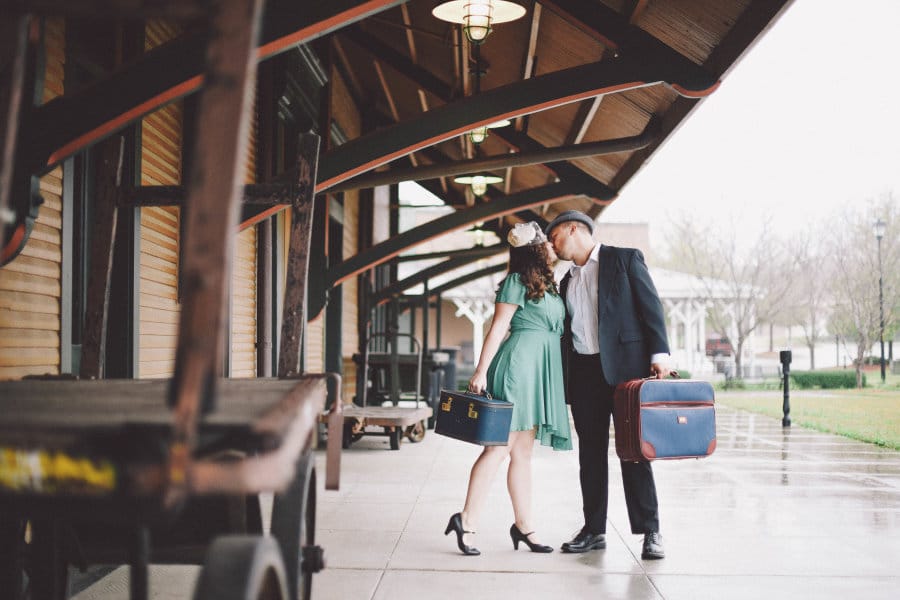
807, 121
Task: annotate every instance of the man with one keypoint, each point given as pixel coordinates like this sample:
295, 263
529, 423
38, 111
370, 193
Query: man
615, 331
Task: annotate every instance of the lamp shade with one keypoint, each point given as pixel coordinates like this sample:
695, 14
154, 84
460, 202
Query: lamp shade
479, 134
479, 182
478, 16
880, 227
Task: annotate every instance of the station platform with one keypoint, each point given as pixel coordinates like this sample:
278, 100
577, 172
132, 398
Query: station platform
775, 513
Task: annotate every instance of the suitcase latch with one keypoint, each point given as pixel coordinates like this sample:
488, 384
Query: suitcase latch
473, 414
682, 420
445, 405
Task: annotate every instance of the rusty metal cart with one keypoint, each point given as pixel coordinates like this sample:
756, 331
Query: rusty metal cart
391, 396
137, 471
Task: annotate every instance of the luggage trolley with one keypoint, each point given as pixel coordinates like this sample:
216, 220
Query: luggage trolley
134, 471
391, 395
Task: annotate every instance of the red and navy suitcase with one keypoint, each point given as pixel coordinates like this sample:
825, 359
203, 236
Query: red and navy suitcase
474, 418
664, 418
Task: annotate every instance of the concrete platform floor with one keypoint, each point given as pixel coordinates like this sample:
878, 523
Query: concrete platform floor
772, 514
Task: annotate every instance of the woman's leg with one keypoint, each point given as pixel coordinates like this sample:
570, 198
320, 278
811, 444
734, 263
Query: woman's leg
518, 478
480, 479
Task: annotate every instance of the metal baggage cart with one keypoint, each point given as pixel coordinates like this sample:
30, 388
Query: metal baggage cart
100, 471
391, 396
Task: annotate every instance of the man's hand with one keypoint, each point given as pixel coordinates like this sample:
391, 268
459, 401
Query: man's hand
659, 371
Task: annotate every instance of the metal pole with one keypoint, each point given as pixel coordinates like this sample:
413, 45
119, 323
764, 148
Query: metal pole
881, 306
785, 356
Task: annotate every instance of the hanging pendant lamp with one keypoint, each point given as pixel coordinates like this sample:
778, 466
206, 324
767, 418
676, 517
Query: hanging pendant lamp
478, 16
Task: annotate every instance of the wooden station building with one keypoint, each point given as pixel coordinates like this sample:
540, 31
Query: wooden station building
109, 265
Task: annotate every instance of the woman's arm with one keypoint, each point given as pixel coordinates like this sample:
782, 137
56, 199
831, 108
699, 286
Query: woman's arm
503, 314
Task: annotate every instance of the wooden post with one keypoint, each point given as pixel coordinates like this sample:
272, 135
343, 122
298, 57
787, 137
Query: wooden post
214, 192
103, 236
13, 33
294, 312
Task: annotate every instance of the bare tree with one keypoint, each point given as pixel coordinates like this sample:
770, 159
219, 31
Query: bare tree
856, 313
808, 300
744, 283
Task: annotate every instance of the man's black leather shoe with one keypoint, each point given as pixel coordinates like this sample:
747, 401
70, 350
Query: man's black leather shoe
585, 541
653, 548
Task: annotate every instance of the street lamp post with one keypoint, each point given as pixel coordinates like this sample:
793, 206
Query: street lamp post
880, 227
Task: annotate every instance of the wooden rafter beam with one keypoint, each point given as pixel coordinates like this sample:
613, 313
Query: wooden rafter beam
586, 113
615, 32
459, 281
348, 73
507, 102
564, 170
474, 251
398, 287
386, 250
398, 61
112, 9
68, 124
531, 56
634, 9
489, 163
410, 38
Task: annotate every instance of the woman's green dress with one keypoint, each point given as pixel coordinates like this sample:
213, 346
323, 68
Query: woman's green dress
527, 369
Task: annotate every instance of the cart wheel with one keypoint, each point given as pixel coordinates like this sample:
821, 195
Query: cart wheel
396, 436
347, 438
416, 432
294, 526
242, 567
12, 557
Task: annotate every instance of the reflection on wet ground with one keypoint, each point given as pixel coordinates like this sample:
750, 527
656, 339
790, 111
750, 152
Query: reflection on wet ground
773, 514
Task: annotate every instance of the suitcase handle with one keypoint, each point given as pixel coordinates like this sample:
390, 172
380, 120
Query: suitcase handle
445, 405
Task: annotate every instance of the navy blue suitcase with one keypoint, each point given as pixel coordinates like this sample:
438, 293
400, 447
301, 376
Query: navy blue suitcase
664, 418
474, 418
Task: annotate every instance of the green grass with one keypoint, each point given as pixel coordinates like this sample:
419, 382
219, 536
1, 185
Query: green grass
869, 415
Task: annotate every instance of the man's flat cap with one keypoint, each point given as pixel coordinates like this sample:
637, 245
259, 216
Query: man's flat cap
570, 215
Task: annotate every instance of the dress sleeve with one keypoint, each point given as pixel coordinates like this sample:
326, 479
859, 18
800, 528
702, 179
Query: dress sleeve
512, 290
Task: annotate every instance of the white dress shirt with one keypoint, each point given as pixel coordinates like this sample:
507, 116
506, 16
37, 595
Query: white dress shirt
581, 300
582, 304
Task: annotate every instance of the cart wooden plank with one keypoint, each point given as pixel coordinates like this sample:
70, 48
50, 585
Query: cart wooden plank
269, 420
388, 416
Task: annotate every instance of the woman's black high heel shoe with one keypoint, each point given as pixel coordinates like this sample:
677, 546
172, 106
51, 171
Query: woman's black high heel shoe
456, 525
517, 536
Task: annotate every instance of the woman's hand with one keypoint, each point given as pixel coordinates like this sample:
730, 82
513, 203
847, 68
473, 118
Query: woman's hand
478, 383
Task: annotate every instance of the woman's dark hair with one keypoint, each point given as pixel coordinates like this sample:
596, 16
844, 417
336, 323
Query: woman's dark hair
532, 263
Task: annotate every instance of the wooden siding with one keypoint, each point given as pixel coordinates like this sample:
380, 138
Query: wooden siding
350, 314
243, 283
349, 119
161, 149
30, 285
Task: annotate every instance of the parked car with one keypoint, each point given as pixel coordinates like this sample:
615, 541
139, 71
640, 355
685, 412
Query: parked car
718, 346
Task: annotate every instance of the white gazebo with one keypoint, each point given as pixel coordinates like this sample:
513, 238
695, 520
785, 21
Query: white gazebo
687, 300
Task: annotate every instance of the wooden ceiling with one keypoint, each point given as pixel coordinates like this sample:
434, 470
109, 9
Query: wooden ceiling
622, 73
569, 72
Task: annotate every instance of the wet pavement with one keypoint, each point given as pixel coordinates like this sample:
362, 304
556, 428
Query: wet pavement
773, 514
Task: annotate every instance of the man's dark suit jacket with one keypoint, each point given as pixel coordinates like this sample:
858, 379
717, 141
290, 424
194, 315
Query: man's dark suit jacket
630, 315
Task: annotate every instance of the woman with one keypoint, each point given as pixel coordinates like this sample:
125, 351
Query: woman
526, 369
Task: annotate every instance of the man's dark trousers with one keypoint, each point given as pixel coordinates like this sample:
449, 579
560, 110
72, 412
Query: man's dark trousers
591, 398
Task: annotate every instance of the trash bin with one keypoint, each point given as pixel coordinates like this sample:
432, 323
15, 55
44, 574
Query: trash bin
438, 372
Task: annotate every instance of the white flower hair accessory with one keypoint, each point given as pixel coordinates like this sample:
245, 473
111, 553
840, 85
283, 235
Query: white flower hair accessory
525, 234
